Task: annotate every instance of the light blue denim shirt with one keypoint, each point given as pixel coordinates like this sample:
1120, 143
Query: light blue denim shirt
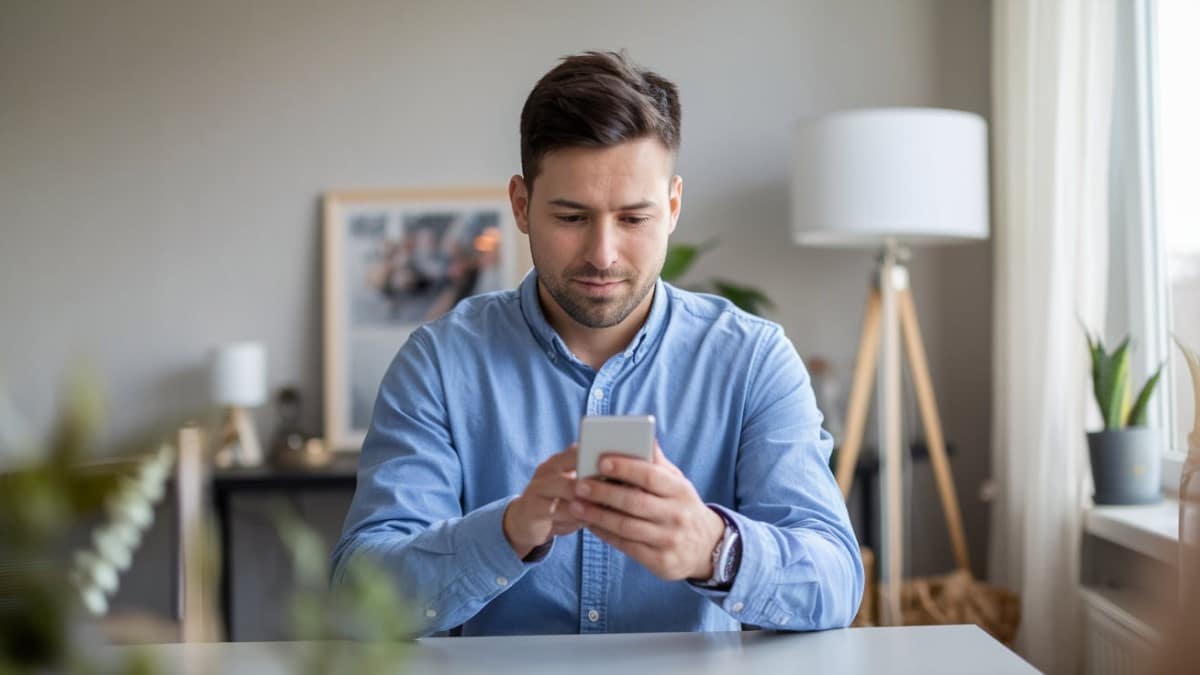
474, 401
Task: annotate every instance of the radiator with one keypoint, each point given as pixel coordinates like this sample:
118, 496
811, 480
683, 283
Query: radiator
1115, 640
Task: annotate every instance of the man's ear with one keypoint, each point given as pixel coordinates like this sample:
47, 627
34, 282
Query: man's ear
518, 195
676, 201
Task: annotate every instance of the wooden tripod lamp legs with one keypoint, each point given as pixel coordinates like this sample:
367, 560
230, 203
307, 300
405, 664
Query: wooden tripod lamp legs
860, 394
856, 416
933, 427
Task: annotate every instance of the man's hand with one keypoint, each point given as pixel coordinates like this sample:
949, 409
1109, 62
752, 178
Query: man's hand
656, 518
541, 511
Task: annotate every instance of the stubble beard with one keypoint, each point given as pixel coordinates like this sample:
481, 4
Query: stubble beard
596, 312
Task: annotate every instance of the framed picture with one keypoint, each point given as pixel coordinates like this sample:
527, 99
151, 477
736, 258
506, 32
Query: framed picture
395, 259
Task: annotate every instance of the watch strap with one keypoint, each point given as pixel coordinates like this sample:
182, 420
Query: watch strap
726, 555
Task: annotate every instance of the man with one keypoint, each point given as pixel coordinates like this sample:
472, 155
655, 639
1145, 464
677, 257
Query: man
465, 490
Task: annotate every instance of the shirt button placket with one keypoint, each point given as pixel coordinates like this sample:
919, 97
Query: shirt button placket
595, 401
596, 405
593, 595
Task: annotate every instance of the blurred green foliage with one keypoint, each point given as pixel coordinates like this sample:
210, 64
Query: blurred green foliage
681, 257
61, 488
359, 626
40, 502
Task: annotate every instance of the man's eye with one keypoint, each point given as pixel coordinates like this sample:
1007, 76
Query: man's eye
570, 218
637, 220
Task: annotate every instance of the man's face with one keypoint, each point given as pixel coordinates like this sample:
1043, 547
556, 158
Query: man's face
598, 223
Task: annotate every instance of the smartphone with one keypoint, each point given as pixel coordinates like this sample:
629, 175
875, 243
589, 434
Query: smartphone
631, 435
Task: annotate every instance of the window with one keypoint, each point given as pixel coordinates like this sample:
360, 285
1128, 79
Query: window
1175, 52
1154, 180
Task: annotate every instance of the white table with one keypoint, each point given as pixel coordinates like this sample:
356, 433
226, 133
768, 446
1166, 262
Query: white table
926, 650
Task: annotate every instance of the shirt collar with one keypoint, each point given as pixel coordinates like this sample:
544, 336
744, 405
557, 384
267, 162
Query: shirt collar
552, 342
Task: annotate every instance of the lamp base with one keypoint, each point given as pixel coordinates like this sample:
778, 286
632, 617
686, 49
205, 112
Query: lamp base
239, 440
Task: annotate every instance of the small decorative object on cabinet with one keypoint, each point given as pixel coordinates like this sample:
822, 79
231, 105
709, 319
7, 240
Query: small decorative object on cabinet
239, 383
291, 446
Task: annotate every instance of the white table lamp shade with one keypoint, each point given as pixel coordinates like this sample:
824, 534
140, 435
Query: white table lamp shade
239, 374
913, 175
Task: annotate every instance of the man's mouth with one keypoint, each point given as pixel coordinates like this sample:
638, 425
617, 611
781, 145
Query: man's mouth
598, 286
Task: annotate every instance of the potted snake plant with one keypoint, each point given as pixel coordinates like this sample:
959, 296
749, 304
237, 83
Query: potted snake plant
1126, 455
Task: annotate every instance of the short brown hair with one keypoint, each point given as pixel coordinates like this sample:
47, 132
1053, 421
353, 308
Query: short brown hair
596, 99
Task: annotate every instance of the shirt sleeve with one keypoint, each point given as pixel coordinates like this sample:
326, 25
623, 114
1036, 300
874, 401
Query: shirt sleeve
407, 513
801, 568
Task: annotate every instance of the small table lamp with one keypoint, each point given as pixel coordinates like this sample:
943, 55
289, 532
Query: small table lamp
239, 382
882, 178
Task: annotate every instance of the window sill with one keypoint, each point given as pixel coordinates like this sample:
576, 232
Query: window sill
1152, 530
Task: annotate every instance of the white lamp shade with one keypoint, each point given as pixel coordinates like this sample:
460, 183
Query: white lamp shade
913, 175
239, 374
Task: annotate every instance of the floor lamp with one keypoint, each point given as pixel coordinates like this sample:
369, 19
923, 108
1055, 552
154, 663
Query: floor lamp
884, 179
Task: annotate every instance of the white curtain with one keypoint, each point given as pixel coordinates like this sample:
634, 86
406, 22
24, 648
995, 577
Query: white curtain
1052, 96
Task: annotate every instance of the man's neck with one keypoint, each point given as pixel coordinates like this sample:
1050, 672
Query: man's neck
594, 346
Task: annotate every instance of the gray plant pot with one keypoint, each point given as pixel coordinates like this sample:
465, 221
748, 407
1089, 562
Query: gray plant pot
1126, 465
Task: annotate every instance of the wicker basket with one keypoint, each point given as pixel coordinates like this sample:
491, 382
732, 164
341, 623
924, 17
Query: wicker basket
952, 598
959, 597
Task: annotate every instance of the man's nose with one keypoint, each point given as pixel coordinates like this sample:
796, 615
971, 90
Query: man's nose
601, 250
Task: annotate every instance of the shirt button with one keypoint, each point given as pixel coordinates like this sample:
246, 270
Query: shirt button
501, 581
738, 606
431, 612
593, 615
598, 394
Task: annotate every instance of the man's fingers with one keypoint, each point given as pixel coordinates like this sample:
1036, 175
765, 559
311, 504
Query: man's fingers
660, 459
563, 522
563, 515
653, 478
559, 530
646, 555
561, 462
543, 507
555, 510
630, 500
552, 486
620, 524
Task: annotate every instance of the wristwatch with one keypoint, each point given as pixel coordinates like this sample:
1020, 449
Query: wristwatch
726, 556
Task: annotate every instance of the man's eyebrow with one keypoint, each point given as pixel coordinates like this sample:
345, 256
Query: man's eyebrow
567, 203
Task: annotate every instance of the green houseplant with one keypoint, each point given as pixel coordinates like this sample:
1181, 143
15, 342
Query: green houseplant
1126, 454
681, 257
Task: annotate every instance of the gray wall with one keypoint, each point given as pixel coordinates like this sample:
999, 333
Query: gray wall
161, 165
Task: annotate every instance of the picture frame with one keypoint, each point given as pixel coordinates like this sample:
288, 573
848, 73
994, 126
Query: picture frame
394, 259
